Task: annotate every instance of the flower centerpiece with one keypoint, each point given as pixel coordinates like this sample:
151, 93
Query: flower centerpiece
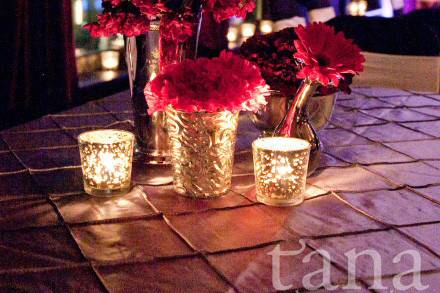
158, 33
326, 59
274, 55
203, 99
133, 17
179, 21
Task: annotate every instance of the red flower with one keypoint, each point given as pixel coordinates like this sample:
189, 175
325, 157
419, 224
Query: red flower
137, 14
115, 2
150, 8
123, 23
326, 55
225, 9
224, 83
176, 29
108, 4
273, 53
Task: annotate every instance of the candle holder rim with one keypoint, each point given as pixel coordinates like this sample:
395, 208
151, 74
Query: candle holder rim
204, 113
274, 91
109, 50
82, 140
307, 145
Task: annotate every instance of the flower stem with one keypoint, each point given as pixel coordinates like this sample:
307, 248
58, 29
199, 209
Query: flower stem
199, 29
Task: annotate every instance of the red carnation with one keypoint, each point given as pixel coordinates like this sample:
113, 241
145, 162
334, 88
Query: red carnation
111, 3
176, 29
326, 55
123, 23
224, 83
105, 26
135, 25
137, 14
150, 8
115, 2
225, 9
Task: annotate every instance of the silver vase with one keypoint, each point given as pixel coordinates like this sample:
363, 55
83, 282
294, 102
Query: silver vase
297, 124
319, 109
143, 61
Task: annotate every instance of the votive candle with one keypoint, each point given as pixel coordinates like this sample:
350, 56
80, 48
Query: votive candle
266, 26
280, 165
106, 159
110, 60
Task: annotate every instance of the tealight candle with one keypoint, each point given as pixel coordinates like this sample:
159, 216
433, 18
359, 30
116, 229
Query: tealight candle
106, 159
232, 35
110, 60
247, 30
280, 165
266, 26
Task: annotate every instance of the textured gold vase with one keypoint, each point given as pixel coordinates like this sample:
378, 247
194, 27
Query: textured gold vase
202, 151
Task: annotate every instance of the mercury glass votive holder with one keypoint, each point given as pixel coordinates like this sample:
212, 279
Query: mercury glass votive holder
280, 165
106, 159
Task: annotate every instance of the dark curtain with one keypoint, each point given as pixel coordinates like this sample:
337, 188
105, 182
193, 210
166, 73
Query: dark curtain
282, 9
38, 72
417, 33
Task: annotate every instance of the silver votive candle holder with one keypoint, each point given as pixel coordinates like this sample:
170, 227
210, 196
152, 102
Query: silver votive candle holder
106, 160
280, 166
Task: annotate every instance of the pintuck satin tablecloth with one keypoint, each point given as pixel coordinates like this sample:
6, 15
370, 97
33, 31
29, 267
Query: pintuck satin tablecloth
378, 188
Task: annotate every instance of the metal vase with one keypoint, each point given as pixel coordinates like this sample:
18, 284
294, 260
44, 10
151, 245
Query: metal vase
268, 118
202, 150
296, 123
143, 62
146, 56
319, 111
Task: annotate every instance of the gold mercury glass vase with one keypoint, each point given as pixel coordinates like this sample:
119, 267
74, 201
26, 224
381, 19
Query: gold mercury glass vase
202, 151
106, 157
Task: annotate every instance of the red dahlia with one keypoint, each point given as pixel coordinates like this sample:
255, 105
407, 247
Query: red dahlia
273, 53
326, 55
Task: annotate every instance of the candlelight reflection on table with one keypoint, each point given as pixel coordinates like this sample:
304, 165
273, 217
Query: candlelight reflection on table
106, 159
280, 165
